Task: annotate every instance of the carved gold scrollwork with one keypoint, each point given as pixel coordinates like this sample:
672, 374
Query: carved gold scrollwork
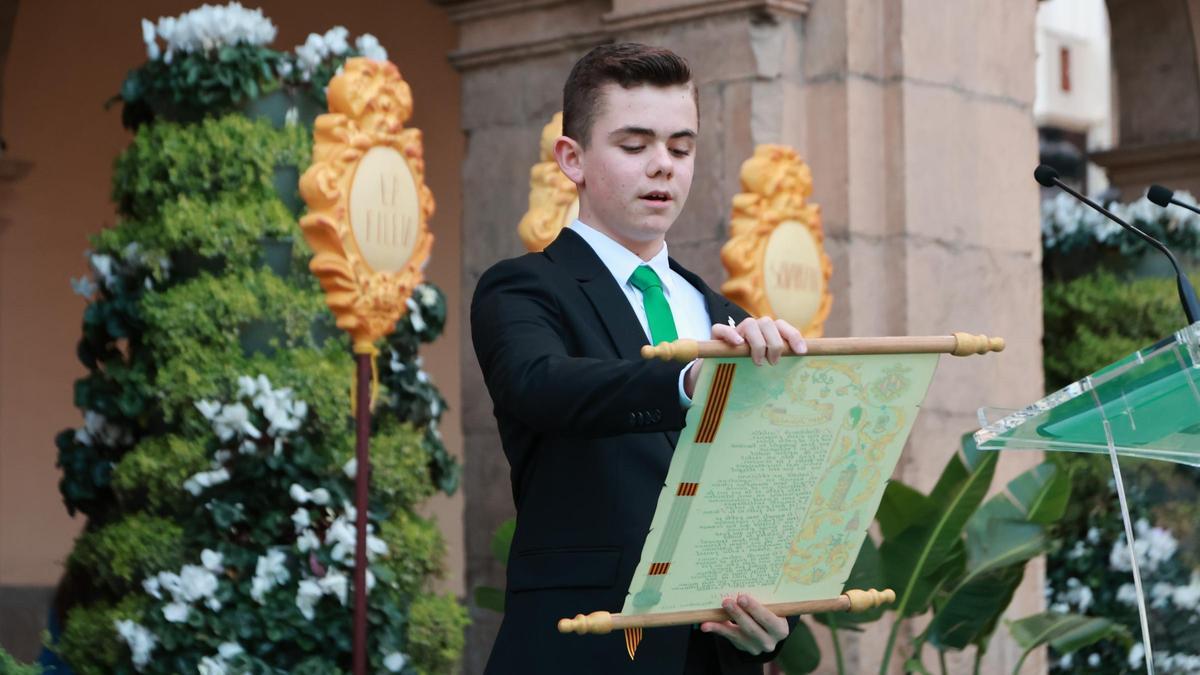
775, 254
553, 200
367, 282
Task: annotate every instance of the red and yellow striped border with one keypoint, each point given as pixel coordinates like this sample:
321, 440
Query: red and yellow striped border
714, 408
633, 637
658, 569
687, 489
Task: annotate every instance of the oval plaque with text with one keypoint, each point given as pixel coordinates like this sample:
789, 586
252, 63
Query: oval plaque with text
384, 209
792, 276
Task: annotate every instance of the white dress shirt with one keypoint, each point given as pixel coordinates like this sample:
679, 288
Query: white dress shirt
687, 302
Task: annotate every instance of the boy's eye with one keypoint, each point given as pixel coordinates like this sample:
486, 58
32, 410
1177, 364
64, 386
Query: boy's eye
680, 153
632, 148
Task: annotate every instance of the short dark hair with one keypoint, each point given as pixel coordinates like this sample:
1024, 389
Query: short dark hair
628, 64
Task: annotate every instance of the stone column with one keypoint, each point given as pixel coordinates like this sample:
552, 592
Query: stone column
917, 122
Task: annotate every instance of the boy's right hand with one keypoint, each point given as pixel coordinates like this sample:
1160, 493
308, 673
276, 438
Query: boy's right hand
766, 337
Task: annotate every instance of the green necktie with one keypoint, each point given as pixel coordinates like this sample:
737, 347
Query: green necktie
658, 311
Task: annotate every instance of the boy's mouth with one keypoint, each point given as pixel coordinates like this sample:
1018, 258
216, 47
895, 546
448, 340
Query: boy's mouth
661, 197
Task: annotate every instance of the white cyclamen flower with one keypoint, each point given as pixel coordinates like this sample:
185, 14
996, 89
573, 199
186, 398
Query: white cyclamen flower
196, 583
228, 650
307, 541
1188, 597
148, 36
1137, 656
1152, 546
394, 662
336, 39
176, 612
234, 419
102, 266
414, 315
212, 560
300, 519
269, 571
84, 286
308, 593
205, 479
368, 45
211, 666
335, 583
140, 640
209, 409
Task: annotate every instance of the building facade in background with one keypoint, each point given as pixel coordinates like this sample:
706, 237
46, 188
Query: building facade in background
922, 124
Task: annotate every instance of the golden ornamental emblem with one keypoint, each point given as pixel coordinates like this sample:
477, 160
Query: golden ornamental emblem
775, 256
368, 205
553, 199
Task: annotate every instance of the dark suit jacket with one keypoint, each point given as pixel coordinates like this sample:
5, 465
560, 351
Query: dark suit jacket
589, 428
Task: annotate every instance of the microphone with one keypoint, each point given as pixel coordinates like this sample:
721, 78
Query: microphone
1048, 177
1164, 196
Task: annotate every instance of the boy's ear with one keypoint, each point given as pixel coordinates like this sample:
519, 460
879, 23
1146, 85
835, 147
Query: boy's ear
569, 155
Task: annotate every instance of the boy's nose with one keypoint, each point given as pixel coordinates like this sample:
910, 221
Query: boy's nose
660, 163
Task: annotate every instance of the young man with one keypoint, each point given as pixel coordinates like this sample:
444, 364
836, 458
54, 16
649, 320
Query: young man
588, 426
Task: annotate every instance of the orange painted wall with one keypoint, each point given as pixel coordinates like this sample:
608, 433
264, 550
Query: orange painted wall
67, 58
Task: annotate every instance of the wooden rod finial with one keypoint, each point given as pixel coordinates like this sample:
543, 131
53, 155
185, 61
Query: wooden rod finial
969, 344
679, 350
596, 623
861, 601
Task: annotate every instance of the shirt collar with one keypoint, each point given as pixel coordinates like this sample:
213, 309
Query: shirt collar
620, 261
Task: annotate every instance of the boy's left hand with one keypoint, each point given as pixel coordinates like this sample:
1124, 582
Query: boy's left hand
754, 628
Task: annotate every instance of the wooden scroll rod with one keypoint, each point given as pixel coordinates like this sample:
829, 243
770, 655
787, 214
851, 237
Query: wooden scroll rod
958, 344
598, 623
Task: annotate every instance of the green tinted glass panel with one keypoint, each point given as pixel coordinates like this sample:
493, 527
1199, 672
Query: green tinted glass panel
1150, 398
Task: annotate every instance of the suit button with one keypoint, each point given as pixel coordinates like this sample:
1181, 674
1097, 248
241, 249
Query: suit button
657, 416
633, 419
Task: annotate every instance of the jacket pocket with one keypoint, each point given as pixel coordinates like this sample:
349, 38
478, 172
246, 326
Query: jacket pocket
571, 567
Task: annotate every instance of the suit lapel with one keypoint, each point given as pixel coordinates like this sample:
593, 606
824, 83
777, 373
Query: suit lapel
602, 291
719, 307
611, 304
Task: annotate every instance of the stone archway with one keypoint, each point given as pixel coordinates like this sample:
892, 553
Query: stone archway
1156, 68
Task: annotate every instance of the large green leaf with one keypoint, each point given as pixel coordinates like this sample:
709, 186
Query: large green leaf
912, 559
1000, 540
800, 653
902, 507
973, 608
491, 598
1043, 492
1066, 633
502, 540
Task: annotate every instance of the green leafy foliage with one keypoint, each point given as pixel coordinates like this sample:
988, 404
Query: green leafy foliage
489, 597
89, 642
10, 666
1066, 633
128, 550
1096, 319
151, 475
435, 633
800, 653
199, 83
212, 463
1092, 321
229, 156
